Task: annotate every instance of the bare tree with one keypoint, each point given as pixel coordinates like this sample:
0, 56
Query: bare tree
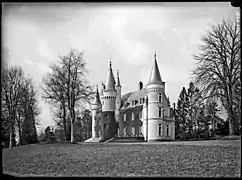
217, 73
53, 91
12, 81
68, 83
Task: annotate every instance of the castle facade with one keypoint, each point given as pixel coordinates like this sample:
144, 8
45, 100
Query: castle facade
145, 112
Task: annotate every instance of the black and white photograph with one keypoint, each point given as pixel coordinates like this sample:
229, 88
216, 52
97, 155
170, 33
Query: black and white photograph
121, 89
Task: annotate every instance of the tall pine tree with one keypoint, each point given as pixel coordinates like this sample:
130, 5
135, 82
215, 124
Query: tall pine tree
181, 115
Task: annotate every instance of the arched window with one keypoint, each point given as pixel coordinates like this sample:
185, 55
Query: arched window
167, 130
159, 111
160, 97
159, 129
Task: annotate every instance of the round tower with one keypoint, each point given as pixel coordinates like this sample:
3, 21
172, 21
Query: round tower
96, 106
145, 118
108, 122
155, 90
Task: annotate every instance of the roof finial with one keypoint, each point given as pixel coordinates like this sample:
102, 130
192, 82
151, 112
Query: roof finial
117, 73
155, 56
110, 65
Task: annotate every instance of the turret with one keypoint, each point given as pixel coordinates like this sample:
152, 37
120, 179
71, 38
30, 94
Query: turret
118, 89
118, 98
108, 122
96, 106
155, 89
145, 118
109, 93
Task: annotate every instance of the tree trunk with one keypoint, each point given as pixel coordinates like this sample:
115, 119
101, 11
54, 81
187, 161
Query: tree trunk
34, 127
64, 122
19, 129
231, 124
230, 112
72, 132
20, 135
12, 137
72, 125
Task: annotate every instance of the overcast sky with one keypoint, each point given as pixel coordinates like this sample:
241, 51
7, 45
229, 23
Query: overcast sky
34, 35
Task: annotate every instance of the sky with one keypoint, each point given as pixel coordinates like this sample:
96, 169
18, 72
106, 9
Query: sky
128, 34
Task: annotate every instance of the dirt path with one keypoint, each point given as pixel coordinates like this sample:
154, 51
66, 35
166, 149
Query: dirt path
201, 143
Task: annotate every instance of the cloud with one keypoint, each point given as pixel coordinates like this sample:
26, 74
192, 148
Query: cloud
43, 48
28, 61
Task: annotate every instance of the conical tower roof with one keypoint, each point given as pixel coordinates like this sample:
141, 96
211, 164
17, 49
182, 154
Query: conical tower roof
110, 81
97, 100
118, 81
155, 77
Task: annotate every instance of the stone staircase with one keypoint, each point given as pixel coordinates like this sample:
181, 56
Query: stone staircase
126, 139
92, 140
117, 140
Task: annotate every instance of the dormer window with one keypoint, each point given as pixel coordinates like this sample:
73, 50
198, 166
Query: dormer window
133, 103
127, 104
136, 102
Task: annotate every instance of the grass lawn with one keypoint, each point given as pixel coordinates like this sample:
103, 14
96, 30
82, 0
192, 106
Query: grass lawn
123, 160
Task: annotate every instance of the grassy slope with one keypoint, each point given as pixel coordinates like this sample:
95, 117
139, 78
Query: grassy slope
123, 160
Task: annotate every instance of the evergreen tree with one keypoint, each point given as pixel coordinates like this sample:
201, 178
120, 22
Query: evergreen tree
181, 115
29, 132
194, 105
211, 112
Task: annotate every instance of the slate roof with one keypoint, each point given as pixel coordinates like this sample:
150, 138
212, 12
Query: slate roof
118, 81
132, 96
97, 98
155, 77
110, 81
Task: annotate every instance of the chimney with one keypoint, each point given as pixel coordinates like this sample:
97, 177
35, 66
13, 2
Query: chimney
174, 108
140, 84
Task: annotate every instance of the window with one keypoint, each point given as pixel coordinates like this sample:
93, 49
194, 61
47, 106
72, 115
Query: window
159, 97
140, 101
167, 130
159, 129
124, 131
159, 111
133, 130
103, 103
124, 117
140, 114
163, 112
133, 103
132, 116
143, 100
